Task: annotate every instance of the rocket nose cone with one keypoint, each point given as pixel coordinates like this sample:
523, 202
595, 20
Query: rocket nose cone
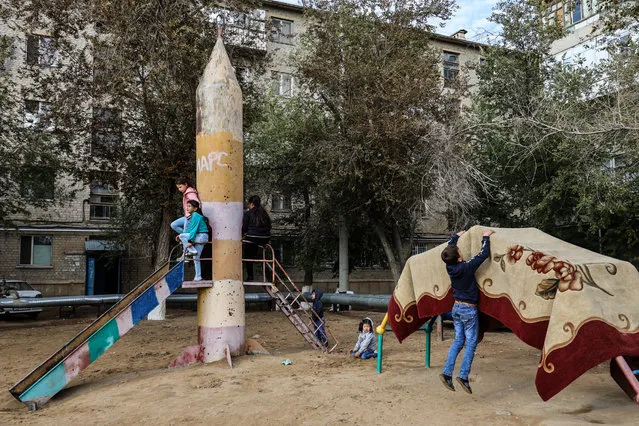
219, 68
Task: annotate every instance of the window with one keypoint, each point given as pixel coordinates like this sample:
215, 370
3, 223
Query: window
559, 16
35, 250
283, 84
101, 201
38, 183
420, 246
451, 68
577, 12
100, 207
282, 31
102, 55
284, 249
37, 114
245, 29
40, 51
554, 14
281, 203
242, 75
107, 130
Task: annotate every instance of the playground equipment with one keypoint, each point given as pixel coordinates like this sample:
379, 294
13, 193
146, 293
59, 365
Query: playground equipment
218, 147
59, 369
625, 371
41, 384
220, 316
280, 287
382, 328
555, 296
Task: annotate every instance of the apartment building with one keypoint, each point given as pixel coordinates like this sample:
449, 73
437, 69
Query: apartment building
583, 40
65, 250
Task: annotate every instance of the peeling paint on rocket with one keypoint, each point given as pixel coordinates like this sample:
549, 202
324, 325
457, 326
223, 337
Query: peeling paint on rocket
219, 183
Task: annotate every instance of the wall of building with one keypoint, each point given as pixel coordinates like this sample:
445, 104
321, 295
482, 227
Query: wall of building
64, 277
70, 224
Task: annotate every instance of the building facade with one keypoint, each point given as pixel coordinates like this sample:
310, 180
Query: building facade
583, 40
65, 250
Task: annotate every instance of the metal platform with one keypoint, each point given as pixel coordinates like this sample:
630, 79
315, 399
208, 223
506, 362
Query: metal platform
256, 283
197, 284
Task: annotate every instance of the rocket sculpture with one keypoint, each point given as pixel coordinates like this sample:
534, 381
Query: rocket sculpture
220, 308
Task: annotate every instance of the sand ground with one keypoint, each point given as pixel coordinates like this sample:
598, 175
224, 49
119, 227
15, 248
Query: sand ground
131, 384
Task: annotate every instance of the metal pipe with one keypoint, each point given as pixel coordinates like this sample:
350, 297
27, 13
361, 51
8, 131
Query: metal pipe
107, 299
363, 300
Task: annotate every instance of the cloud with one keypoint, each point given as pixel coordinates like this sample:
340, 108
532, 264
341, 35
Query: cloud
471, 15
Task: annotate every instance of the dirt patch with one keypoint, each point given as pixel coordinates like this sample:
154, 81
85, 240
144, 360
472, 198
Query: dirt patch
131, 383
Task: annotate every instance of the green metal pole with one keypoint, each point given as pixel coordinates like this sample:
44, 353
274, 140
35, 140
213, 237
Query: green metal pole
428, 332
380, 346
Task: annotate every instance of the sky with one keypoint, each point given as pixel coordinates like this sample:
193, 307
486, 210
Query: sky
471, 15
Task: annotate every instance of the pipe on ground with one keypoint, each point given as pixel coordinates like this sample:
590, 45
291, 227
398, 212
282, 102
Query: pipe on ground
361, 300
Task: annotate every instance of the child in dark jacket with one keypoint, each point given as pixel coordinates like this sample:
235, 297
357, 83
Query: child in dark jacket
366, 342
465, 311
318, 316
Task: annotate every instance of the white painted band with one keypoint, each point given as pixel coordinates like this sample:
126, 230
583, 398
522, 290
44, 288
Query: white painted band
225, 219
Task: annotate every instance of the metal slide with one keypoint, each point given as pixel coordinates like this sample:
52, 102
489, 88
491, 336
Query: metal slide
59, 369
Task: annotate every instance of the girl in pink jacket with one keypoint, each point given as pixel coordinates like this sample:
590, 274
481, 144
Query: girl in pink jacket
183, 185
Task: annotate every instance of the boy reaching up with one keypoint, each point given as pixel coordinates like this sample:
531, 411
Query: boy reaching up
465, 312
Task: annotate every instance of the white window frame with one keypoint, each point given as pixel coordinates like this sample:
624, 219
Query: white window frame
32, 118
450, 81
280, 84
280, 203
279, 36
47, 55
32, 246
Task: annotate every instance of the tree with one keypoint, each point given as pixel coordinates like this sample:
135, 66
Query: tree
279, 158
548, 133
31, 160
123, 98
392, 146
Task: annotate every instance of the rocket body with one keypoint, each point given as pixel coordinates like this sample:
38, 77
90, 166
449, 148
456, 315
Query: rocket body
220, 312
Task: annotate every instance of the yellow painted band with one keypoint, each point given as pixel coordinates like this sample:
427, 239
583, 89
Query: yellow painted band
219, 167
227, 260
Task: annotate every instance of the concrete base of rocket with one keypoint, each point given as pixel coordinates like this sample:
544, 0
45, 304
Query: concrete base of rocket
214, 344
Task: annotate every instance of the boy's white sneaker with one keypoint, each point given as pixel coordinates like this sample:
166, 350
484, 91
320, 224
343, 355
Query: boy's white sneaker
192, 250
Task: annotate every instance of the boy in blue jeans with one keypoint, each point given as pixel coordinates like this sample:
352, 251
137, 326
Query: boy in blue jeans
465, 312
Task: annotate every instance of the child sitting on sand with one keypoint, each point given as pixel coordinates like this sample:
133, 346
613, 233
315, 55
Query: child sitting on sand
366, 342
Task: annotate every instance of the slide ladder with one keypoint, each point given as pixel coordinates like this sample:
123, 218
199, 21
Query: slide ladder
59, 369
289, 299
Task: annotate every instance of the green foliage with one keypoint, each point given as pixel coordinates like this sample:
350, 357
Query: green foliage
368, 142
548, 133
123, 95
280, 157
30, 157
